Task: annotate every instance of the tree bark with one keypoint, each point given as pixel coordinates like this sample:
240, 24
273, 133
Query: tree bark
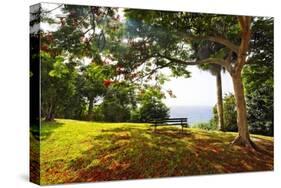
90, 109
219, 101
243, 137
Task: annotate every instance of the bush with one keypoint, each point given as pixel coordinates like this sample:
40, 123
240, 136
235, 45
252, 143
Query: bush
260, 110
116, 105
150, 106
115, 112
98, 114
229, 113
153, 109
135, 116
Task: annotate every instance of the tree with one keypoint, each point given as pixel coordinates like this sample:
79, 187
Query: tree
151, 105
216, 71
234, 34
57, 84
202, 51
83, 26
92, 86
229, 111
118, 102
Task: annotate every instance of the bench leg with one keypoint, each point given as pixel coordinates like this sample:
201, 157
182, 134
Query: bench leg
181, 129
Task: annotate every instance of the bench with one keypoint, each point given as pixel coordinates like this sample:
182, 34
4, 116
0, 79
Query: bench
170, 122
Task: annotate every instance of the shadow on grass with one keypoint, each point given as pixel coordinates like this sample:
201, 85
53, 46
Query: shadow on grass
43, 134
37, 135
131, 153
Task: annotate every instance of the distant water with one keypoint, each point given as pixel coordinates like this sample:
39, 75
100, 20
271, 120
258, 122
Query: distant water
195, 114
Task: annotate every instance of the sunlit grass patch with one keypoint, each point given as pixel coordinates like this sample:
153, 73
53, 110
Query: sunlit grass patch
76, 151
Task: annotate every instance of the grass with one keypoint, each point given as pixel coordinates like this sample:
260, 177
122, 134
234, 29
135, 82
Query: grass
77, 151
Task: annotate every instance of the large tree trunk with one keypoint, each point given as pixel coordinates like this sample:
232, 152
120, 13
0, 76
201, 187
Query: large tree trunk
90, 109
219, 101
243, 137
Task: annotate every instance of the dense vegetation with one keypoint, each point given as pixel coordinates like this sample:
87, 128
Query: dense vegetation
99, 90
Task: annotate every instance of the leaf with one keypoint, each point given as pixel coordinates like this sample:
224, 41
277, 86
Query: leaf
59, 68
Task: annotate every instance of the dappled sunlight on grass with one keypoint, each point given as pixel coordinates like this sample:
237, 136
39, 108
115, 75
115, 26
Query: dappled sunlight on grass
76, 151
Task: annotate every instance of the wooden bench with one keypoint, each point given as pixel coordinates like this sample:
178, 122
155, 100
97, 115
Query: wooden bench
170, 122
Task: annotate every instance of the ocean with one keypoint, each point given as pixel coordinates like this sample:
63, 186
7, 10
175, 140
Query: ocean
195, 114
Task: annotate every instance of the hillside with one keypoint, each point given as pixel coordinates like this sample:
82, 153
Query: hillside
76, 151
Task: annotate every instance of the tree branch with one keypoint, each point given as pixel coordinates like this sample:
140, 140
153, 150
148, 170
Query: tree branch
208, 60
85, 32
218, 61
245, 25
241, 21
153, 71
217, 39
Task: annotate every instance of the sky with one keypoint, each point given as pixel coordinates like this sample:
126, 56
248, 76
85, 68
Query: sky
198, 90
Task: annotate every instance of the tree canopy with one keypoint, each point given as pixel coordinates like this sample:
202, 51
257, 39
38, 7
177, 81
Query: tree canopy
107, 62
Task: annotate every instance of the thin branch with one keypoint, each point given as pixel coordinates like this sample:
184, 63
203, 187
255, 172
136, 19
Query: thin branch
153, 71
87, 31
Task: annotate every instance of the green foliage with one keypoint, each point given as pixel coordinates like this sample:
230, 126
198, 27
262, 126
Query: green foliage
150, 106
117, 103
98, 113
91, 82
151, 42
229, 112
153, 109
258, 78
57, 83
260, 110
59, 68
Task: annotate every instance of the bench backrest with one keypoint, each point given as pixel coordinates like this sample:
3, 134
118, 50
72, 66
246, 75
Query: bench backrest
170, 120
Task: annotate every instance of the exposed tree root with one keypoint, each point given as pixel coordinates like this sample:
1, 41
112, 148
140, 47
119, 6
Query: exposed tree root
245, 143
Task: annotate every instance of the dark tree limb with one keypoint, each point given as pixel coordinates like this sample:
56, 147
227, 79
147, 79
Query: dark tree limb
217, 39
217, 61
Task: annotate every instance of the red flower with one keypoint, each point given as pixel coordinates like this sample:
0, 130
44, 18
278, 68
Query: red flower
107, 83
45, 48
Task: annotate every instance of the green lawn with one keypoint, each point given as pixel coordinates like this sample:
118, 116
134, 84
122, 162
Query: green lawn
76, 151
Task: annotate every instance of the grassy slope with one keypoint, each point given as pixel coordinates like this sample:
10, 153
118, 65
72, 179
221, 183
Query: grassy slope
75, 151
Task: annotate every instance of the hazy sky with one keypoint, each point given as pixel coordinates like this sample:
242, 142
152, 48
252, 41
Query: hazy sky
198, 90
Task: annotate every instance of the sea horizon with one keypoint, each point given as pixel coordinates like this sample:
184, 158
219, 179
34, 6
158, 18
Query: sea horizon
194, 113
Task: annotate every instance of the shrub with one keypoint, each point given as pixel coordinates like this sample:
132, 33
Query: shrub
153, 109
229, 112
